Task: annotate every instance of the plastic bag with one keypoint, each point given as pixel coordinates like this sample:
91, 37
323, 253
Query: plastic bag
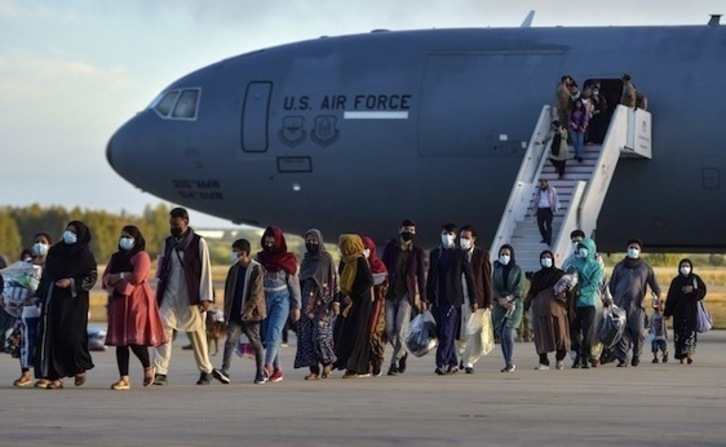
614, 320
421, 338
21, 281
704, 322
480, 322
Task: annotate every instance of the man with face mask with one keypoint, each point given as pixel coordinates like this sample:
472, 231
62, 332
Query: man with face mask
404, 262
628, 286
184, 293
448, 264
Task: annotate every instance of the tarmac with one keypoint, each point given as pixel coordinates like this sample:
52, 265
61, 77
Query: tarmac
659, 405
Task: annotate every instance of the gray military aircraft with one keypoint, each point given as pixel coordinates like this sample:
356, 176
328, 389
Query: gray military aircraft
355, 133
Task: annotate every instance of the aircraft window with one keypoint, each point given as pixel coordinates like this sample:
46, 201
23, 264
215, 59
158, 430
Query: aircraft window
163, 107
186, 106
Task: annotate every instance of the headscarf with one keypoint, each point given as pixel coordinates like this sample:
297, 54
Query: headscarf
351, 247
121, 260
376, 264
71, 260
546, 276
318, 266
278, 258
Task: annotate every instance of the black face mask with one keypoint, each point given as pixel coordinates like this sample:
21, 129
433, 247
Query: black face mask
269, 248
176, 232
407, 236
312, 248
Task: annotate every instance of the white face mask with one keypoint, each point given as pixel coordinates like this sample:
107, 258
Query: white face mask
633, 253
504, 259
685, 270
546, 262
367, 253
583, 252
447, 240
574, 248
40, 249
466, 244
69, 237
126, 243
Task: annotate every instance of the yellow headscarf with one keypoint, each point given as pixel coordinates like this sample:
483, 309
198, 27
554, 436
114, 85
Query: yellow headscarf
351, 247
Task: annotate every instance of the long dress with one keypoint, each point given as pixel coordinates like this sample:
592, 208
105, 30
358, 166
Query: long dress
134, 317
63, 348
315, 329
683, 307
354, 345
378, 325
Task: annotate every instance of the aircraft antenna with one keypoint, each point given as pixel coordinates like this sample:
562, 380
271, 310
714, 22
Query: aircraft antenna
715, 20
527, 23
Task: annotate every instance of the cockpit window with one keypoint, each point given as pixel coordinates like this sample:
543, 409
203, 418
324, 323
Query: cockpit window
178, 104
166, 103
186, 106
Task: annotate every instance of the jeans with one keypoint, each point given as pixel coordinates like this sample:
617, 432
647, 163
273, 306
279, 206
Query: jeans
278, 309
30, 339
398, 315
506, 337
578, 140
234, 332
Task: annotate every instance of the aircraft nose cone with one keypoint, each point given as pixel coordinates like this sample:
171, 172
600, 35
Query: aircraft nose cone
109, 153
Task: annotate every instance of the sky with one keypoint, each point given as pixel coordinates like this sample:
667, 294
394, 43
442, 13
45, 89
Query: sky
73, 71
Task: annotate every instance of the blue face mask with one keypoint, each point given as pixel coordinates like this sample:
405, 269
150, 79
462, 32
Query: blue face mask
633, 253
69, 237
126, 243
234, 257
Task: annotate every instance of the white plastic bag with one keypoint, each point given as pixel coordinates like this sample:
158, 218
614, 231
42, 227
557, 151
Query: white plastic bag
480, 322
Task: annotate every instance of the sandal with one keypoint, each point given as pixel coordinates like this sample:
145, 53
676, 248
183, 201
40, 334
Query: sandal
42, 383
80, 379
327, 370
312, 376
121, 385
149, 375
55, 385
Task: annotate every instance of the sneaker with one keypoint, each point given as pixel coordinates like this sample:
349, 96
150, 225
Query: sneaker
635, 361
364, 376
440, 371
542, 367
655, 360
665, 357
510, 368
393, 370
585, 364
377, 371
160, 379
560, 364
204, 379
469, 370
188, 347
221, 375
453, 369
276, 376
402, 364
23, 382
260, 379
576, 363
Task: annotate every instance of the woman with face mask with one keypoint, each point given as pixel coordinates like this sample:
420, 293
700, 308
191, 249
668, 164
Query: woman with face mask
589, 279
133, 319
69, 275
319, 285
508, 284
549, 313
686, 290
30, 317
378, 311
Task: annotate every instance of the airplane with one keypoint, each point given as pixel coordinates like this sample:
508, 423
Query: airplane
355, 133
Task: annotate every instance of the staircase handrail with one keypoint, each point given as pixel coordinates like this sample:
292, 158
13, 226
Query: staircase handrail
522, 191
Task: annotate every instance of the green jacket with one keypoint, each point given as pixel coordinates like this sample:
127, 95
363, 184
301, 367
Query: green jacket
515, 287
590, 274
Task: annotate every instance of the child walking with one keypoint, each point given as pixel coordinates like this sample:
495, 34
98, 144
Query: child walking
660, 332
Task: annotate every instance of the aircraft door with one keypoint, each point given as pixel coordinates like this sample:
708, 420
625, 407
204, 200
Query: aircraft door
255, 114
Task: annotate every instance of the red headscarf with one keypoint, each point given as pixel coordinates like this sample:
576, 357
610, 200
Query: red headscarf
278, 258
376, 265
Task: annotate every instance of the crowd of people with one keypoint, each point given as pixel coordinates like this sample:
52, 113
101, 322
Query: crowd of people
346, 315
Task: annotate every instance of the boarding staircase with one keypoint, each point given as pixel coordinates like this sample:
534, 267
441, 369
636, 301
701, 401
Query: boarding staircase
581, 192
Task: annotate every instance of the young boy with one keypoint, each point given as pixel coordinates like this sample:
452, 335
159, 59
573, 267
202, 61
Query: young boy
244, 308
659, 331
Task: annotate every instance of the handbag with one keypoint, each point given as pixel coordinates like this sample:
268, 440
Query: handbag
704, 322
